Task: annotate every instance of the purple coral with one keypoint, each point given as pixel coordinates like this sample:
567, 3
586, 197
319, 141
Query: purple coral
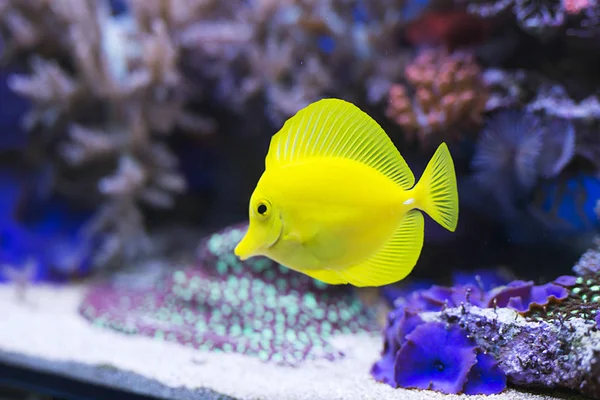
425, 355
566, 280
434, 357
402, 322
257, 307
518, 295
506, 159
430, 355
486, 376
521, 295
530, 335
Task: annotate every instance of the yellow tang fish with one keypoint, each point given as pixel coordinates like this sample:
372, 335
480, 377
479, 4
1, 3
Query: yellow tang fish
338, 202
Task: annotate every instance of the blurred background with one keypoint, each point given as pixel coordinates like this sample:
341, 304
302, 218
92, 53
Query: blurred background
130, 129
123, 119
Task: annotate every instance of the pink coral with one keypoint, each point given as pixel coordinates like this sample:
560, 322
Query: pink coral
444, 94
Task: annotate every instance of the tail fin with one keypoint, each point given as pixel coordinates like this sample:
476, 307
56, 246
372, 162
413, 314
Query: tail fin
436, 193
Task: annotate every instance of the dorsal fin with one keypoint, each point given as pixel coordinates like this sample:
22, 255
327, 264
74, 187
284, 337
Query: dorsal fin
337, 128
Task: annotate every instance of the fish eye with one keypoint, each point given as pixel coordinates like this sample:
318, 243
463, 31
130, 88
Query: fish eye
262, 209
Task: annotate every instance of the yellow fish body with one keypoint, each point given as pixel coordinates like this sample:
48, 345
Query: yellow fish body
338, 202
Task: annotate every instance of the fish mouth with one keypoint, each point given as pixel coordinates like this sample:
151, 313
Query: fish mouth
255, 242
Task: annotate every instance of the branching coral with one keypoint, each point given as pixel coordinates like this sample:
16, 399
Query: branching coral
118, 93
256, 307
543, 18
445, 94
121, 84
30, 25
349, 41
506, 88
553, 100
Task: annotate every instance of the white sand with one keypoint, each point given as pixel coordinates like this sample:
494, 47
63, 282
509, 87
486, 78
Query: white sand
48, 327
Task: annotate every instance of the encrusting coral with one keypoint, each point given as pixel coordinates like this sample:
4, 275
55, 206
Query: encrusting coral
524, 334
257, 307
444, 95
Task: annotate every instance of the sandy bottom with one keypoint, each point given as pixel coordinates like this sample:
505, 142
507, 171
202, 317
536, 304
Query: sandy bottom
47, 326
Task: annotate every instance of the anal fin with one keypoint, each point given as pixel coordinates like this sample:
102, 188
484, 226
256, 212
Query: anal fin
395, 260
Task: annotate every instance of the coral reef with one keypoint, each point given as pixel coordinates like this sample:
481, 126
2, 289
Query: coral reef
543, 18
444, 95
303, 50
257, 308
526, 334
117, 92
112, 87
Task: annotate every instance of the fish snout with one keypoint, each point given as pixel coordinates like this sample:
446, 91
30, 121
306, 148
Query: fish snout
239, 253
246, 248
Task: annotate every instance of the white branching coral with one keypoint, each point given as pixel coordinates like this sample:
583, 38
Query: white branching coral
108, 90
117, 95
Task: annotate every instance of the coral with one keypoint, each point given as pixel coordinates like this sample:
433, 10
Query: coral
553, 100
527, 335
544, 18
577, 6
586, 16
122, 83
505, 89
496, 290
452, 29
485, 377
444, 95
509, 147
522, 296
401, 322
589, 262
428, 355
516, 151
436, 358
116, 89
257, 308
290, 53
559, 147
31, 25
